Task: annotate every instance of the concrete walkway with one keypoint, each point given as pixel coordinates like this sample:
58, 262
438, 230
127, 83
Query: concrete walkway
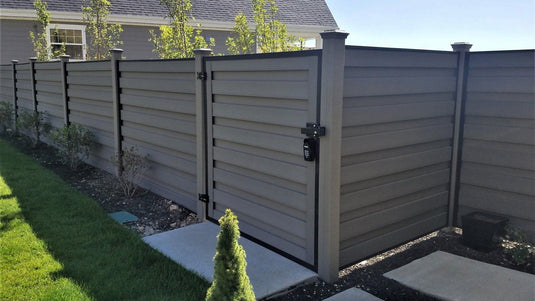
451, 277
353, 294
193, 247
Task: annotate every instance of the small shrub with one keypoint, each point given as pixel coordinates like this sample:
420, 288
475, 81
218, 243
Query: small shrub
34, 123
517, 246
132, 167
74, 142
230, 277
6, 115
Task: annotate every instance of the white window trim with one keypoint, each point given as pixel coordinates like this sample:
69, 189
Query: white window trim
68, 26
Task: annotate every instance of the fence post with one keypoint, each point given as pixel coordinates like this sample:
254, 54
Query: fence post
32, 79
458, 128
332, 86
116, 91
200, 128
14, 78
64, 59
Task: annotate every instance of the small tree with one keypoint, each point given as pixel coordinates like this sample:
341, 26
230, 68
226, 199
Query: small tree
243, 41
230, 277
179, 38
39, 38
133, 165
271, 34
103, 36
74, 143
6, 115
34, 123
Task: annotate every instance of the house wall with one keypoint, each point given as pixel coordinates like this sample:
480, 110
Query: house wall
498, 158
15, 42
397, 131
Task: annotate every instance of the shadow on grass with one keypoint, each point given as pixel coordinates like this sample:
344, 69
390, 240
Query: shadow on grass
106, 259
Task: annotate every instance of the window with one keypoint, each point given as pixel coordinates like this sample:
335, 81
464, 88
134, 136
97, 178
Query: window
72, 36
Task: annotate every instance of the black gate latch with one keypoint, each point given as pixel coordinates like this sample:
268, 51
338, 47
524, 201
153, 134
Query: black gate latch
204, 198
313, 130
310, 145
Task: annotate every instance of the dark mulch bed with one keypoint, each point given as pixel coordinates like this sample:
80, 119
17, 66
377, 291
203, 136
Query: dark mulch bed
157, 214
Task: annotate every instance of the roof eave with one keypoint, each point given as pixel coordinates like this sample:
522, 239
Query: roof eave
59, 16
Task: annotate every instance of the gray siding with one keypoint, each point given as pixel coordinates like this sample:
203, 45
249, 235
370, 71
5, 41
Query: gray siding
90, 105
158, 113
256, 167
498, 161
15, 42
396, 147
136, 42
49, 93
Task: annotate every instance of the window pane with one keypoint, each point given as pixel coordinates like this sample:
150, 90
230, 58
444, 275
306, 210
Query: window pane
54, 36
62, 35
78, 39
75, 51
70, 36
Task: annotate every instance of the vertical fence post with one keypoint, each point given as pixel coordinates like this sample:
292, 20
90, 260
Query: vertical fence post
200, 128
116, 90
64, 59
14, 79
458, 128
32, 79
332, 86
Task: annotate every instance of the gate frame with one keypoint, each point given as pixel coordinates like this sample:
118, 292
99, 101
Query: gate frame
204, 194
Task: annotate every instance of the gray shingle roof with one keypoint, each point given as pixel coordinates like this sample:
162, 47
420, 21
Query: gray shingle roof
298, 12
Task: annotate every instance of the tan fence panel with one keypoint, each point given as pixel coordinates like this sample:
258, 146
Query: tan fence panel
158, 113
256, 107
396, 147
90, 105
49, 93
6, 83
498, 160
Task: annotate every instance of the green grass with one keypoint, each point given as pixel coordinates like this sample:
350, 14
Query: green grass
57, 244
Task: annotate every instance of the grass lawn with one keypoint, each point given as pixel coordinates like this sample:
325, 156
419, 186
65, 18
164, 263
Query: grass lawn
57, 244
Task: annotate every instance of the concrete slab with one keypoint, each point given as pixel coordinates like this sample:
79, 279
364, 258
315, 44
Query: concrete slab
353, 294
194, 248
451, 277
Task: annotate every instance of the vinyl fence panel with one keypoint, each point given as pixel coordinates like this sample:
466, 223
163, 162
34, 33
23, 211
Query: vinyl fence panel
90, 105
498, 160
49, 93
158, 118
396, 147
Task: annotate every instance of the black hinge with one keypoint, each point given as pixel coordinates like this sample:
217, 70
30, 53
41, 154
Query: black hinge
313, 130
202, 75
204, 198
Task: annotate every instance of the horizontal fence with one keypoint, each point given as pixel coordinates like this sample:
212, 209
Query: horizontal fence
158, 117
426, 136
498, 159
397, 131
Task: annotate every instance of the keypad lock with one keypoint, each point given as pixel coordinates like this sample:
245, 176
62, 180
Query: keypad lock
309, 149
